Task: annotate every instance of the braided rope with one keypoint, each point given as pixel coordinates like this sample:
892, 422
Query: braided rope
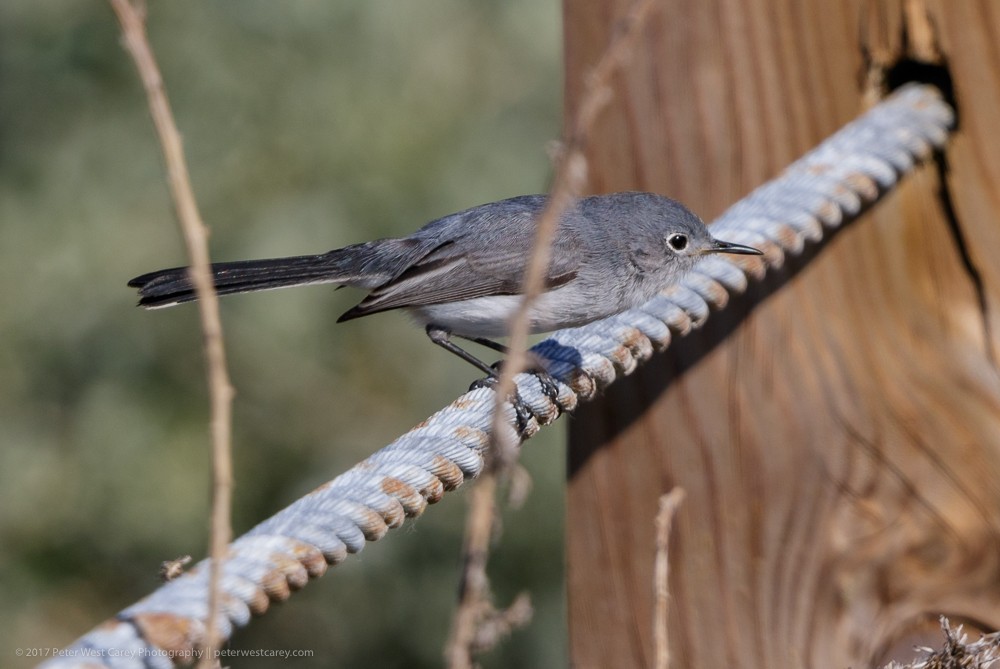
826, 188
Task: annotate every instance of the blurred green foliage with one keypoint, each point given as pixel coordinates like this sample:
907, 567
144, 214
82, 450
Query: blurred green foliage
308, 125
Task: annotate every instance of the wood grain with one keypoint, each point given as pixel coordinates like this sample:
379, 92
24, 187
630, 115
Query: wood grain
837, 429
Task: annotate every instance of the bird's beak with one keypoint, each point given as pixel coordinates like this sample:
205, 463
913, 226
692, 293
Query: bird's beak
728, 247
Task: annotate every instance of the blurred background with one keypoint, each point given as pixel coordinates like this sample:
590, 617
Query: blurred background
308, 125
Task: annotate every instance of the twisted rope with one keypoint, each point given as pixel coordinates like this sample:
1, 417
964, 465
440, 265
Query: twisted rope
825, 189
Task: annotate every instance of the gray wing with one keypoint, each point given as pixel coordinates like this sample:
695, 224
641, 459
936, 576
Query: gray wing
483, 253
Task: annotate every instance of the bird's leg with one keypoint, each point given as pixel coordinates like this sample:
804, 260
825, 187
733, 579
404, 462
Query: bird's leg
488, 343
550, 387
442, 337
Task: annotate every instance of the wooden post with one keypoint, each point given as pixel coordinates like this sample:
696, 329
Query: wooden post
838, 429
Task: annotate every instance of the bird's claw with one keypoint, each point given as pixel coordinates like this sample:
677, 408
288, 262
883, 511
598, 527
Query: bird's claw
522, 413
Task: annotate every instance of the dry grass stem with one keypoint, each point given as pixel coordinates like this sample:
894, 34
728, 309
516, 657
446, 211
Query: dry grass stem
498, 625
473, 591
570, 178
132, 19
661, 575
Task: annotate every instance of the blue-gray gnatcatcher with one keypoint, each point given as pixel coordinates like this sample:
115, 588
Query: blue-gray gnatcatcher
462, 274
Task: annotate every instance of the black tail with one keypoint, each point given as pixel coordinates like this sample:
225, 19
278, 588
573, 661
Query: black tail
366, 265
168, 287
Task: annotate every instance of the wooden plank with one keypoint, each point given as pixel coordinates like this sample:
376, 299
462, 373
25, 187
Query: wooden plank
838, 429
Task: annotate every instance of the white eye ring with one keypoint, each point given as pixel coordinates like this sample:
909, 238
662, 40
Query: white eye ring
677, 241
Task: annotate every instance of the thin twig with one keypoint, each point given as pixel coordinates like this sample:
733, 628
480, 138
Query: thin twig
661, 575
473, 592
570, 179
132, 19
500, 624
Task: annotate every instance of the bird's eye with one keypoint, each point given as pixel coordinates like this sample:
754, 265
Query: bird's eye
677, 241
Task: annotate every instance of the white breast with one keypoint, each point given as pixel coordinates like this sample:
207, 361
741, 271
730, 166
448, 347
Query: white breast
490, 316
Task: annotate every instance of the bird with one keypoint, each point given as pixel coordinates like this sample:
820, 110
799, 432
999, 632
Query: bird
461, 275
